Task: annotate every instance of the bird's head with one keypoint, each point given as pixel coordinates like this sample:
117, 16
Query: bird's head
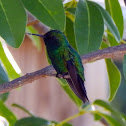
53, 37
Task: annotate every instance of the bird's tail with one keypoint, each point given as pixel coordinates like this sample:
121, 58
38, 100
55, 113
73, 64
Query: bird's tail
78, 90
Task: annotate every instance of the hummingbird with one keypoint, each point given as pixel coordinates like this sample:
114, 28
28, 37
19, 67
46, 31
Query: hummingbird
66, 61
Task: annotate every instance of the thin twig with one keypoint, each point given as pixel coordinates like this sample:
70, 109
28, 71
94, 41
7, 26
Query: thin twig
33, 22
110, 52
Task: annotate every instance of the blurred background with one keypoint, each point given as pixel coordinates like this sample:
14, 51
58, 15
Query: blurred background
45, 97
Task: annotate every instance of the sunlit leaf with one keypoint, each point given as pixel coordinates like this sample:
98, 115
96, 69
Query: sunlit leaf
70, 16
10, 70
70, 4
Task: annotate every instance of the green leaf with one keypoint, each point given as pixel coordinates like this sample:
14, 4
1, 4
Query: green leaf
32, 121
108, 22
124, 66
113, 75
89, 27
71, 4
50, 13
5, 112
70, 16
114, 78
70, 93
12, 22
3, 76
111, 121
70, 33
10, 70
3, 79
97, 117
71, 10
114, 113
36, 40
114, 9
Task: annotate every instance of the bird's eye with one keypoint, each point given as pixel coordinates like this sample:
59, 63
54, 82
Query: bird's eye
54, 37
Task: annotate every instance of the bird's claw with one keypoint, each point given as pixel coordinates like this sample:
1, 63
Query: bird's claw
63, 76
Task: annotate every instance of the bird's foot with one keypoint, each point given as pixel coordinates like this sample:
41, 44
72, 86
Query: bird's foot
63, 76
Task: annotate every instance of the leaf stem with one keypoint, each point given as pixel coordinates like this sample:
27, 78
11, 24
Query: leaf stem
71, 118
109, 33
121, 41
23, 109
82, 111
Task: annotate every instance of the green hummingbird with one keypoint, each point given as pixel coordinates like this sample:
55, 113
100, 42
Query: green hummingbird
66, 61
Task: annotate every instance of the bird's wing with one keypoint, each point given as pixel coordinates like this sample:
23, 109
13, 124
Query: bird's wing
75, 81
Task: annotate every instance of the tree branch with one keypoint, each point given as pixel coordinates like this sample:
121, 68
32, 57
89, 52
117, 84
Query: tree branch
110, 52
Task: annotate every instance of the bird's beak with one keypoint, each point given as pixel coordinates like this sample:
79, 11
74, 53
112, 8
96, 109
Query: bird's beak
35, 34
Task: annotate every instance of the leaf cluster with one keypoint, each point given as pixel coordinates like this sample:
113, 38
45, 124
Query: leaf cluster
87, 26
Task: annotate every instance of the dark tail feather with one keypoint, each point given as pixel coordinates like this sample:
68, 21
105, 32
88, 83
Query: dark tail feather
79, 91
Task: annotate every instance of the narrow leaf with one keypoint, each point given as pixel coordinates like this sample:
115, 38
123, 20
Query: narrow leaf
5, 112
124, 66
111, 121
114, 9
12, 22
50, 13
114, 78
108, 22
113, 75
3, 79
89, 27
32, 121
114, 113
10, 70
